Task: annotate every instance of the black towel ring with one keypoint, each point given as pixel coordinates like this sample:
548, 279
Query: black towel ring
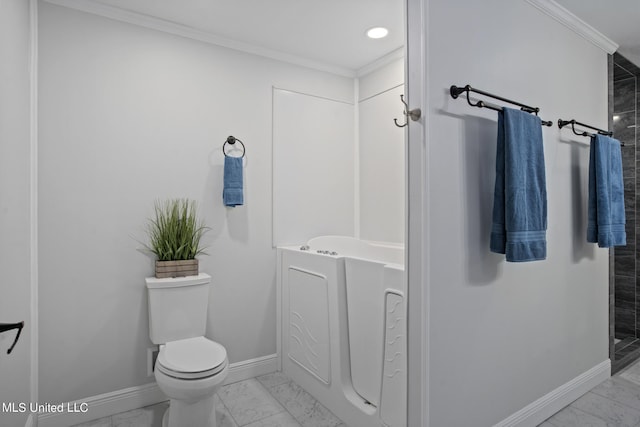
232, 140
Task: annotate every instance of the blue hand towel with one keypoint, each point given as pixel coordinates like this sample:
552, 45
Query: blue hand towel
520, 197
606, 219
232, 191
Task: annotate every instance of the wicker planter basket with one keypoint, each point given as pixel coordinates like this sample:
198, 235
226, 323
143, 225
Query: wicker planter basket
188, 267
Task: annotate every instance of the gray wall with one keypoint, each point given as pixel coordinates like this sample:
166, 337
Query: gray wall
502, 335
14, 204
127, 115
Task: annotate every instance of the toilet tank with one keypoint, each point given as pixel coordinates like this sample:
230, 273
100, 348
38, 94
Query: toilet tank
177, 307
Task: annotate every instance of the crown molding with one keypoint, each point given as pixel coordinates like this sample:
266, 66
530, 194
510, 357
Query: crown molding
162, 25
381, 62
577, 25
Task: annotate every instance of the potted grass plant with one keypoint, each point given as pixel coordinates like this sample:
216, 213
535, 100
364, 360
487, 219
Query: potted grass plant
175, 234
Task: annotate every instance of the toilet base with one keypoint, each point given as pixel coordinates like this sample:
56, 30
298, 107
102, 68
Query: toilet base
198, 414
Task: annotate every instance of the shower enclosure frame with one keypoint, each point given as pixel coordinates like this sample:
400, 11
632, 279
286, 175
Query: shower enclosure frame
624, 298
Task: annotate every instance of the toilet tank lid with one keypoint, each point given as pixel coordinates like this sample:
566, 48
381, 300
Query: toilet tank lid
175, 282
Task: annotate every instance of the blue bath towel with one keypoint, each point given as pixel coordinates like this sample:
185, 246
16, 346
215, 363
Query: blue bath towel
232, 191
606, 219
520, 197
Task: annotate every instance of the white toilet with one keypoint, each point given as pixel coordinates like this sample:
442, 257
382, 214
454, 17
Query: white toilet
189, 368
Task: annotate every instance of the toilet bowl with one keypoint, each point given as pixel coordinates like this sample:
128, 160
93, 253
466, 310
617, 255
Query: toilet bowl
189, 372
190, 367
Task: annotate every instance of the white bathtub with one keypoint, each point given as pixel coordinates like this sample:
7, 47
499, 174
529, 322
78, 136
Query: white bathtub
342, 328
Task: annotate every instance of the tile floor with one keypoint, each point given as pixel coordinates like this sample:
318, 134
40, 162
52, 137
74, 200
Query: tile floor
271, 400
626, 352
614, 403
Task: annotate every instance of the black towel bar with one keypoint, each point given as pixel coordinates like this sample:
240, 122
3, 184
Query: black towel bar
456, 91
573, 123
4, 327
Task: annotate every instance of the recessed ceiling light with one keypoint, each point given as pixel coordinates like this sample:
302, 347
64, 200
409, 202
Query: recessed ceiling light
377, 32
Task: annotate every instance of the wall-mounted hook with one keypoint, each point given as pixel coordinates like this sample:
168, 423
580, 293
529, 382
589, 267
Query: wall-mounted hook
414, 114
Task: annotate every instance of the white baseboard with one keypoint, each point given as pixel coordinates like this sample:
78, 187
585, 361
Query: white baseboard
104, 405
538, 411
240, 371
131, 398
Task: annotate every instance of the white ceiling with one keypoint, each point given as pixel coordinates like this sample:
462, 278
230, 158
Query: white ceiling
332, 32
617, 19
326, 31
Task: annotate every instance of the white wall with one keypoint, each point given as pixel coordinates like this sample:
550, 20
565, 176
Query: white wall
502, 335
14, 204
128, 115
381, 151
313, 173
314, 148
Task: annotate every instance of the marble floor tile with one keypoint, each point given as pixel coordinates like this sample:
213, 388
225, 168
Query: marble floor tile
251, 403
273, 379
573, 417
293, 397
621, 391
304, 407
632, 373
614, 413
283, 419
137, 417
248, 401
320, 416
223, 417
102, 422
150, 416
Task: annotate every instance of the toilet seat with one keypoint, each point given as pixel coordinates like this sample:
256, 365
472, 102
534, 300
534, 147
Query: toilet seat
192, 358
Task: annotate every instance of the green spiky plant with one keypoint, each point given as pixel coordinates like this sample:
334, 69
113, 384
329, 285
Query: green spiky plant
175, 232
